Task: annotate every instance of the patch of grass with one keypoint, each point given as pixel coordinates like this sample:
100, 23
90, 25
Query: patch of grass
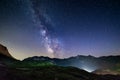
29, 64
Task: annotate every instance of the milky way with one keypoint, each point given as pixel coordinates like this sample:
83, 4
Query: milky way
47, 31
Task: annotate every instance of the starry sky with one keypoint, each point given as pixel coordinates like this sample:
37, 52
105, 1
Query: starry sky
82, 27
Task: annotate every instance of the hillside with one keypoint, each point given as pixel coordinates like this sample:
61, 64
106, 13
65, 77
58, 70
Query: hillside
45, 73
88, 63
51, 73
5, 57
4, 51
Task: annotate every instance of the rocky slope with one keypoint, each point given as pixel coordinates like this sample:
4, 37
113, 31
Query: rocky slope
5, 57
4, 51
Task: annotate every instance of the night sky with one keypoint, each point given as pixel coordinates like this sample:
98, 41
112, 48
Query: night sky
72, 27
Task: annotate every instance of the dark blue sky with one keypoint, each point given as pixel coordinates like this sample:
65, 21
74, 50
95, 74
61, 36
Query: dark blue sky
83, 27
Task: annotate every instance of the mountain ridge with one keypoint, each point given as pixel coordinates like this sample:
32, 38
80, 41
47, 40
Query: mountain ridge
88, 63
4, 51
45, 68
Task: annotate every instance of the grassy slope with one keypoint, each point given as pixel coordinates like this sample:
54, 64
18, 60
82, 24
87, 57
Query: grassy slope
48, 73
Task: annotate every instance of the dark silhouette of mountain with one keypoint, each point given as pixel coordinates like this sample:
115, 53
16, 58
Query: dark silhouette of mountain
88, 63
5, 56
4, 51
45, 68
